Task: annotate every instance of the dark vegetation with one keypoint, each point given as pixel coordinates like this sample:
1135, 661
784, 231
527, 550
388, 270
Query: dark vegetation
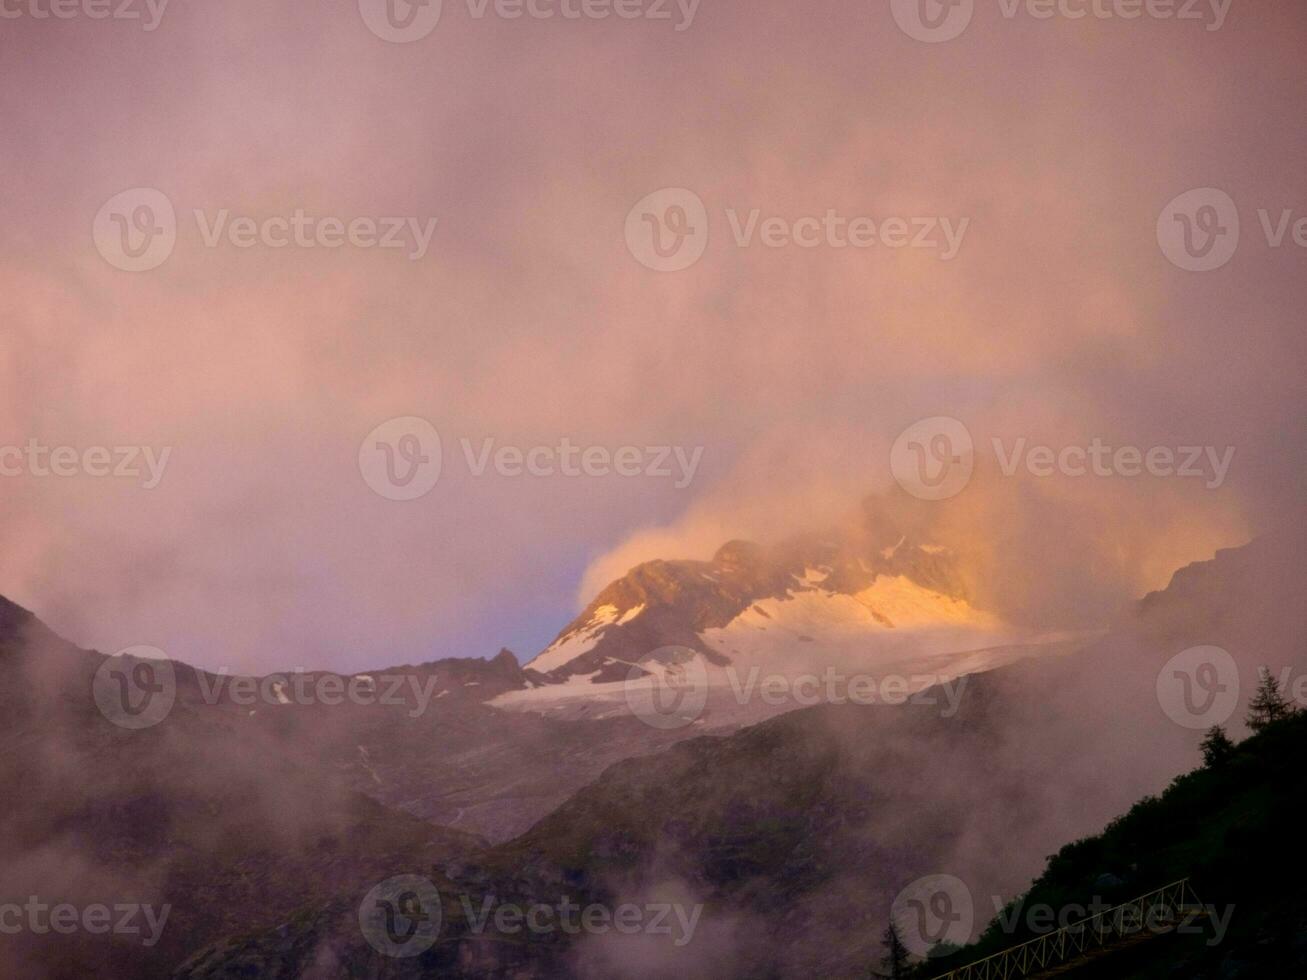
1233, 827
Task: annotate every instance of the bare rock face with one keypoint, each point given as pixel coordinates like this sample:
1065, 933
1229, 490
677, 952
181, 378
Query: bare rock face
673, 603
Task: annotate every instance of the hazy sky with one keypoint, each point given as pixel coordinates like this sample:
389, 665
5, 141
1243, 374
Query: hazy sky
529, 318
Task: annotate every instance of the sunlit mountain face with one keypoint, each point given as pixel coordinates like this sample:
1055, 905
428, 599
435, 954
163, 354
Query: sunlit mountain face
652, 488
819, 615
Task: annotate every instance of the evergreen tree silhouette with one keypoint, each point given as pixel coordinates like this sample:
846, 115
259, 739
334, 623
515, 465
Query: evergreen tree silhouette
1217, 747
1268, 705
895, 959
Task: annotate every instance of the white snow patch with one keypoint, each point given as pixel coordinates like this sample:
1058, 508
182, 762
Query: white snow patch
909, 605
893, 628
630, 614
581, 640
891, 620
813, 576
916, 658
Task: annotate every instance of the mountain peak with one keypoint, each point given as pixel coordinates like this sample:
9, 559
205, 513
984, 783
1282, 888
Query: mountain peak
844, 578
739, 552
12, 617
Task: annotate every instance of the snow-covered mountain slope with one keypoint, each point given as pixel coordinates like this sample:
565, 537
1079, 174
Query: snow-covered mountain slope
815, 612
840, 588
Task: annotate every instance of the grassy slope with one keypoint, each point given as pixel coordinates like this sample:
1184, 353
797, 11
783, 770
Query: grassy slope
1235, 831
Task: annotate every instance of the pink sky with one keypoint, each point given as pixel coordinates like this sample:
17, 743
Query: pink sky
1059, 320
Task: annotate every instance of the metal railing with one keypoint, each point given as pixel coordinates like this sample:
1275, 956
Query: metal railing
1158, 911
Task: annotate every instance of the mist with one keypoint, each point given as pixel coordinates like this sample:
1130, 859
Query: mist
528, 321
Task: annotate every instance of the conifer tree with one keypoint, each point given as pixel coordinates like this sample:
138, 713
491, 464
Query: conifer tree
1268, 705
895, 959
1217, 747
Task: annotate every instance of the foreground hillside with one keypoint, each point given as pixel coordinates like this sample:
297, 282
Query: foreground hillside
782, 844
1232, 829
